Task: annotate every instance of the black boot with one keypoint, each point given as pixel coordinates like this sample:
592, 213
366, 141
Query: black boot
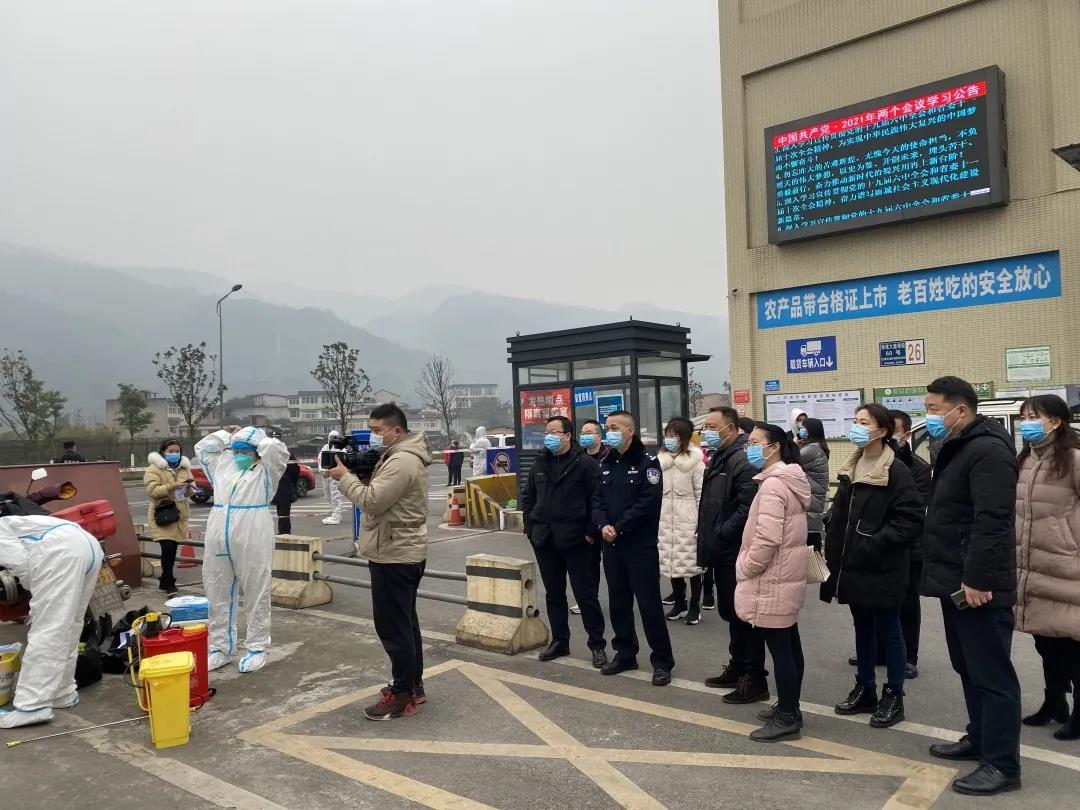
1054, 708
1071, 729
781, 726
890, 709
861, 700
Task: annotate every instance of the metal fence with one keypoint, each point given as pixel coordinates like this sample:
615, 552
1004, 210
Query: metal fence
16, 452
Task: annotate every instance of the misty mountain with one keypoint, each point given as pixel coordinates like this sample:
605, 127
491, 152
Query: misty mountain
85, 328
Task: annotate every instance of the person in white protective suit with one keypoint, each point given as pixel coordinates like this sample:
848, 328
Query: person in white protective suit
333, 495
58, 563
478, 450
244, 468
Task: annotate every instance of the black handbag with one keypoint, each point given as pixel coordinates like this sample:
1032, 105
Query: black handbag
166, 513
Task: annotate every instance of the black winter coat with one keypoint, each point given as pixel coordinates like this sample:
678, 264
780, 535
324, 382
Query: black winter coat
923, 473
557, 500
874, 524
286, 490
630, 495
727, 490
970, 522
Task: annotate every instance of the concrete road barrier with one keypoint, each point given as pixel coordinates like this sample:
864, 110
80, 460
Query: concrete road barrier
294, 584
501, 613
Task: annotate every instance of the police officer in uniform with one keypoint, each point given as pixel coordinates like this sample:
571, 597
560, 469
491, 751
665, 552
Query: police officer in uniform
626, 510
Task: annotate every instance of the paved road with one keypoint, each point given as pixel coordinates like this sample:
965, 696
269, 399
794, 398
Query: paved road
510, 731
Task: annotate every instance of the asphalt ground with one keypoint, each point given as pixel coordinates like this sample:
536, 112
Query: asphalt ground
508, 732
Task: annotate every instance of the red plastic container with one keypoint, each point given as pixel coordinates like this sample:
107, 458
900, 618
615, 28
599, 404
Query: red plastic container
194, 639
95, 517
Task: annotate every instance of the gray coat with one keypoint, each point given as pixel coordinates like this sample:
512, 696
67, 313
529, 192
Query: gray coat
816, 466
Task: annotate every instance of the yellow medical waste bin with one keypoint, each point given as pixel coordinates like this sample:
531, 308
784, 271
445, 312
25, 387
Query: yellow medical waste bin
166, 683
9, 666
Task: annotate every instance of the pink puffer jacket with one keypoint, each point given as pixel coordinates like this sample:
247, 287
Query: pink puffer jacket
771, 568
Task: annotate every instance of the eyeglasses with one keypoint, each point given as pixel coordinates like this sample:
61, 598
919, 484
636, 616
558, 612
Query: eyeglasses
554, 432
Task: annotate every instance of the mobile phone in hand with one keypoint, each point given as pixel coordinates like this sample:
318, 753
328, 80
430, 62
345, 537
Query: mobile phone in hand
960, 600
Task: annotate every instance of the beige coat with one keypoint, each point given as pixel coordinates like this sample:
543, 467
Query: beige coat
1048, 549
394, 503
160, 481
679, 512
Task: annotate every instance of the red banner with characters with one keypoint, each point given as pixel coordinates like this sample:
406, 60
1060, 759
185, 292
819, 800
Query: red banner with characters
536, 407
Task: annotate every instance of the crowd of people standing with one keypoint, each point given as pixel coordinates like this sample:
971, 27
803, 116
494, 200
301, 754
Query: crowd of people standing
992, 536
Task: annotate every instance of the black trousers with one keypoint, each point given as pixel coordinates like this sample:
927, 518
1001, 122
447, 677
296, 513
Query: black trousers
284, 518
453, 472
785, 647
1060, 662
168, 562
632, 568
746, 645
911, 612
393, 604
678, 587
577, 563
979, 641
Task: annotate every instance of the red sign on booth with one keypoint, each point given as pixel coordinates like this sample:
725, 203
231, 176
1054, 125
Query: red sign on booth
536, 407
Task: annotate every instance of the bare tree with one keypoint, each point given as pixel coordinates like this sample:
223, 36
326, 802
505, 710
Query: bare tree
134, 417
696, 395
344, 382
433, 388
188, 373
32, 411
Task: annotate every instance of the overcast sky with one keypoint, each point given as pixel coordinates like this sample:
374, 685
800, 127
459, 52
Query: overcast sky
502, 144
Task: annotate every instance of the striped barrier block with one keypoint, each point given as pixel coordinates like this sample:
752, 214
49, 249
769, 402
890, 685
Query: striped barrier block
294, 585
501, 614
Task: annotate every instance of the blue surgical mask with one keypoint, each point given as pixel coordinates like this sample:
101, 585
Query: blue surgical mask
552, 442
244, 460
935, 425
671, 444
755, 454
1033, 430
587, 440
173, 459
802, 432
859, 435
613, 439
375, 442
711, 438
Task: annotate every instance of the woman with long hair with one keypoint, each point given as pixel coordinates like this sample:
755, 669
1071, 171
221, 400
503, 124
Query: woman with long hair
1048, 555
771, 571
814, 457
683, 468
168, 480
877, 516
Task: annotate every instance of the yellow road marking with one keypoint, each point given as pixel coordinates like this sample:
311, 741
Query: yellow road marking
922, 783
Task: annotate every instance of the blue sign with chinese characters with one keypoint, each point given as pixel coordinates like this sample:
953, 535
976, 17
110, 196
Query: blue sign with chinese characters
772, 385
583, 397
811, 354
999, 281
893, 353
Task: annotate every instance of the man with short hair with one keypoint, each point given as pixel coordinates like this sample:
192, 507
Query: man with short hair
746, 425
727, 490
71, 454
592, 439
969, 563
626, 512
393, 539
911, 609
556, 504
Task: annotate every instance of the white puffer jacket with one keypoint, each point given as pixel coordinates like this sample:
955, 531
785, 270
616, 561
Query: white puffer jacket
679, 513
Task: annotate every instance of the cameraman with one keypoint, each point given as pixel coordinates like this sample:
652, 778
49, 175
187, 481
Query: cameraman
393, 538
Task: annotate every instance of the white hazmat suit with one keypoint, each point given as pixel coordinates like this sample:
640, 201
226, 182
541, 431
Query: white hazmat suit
59, 564
478, 449
240, 542
333, 494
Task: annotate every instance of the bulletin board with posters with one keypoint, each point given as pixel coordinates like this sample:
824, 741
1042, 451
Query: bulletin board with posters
835, 409
537, 406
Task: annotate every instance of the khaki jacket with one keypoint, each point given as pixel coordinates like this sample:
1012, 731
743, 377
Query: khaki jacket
394, 503
160, 480
1048, 548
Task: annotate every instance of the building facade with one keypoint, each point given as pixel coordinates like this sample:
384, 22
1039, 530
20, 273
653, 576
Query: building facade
877, 313
167, 418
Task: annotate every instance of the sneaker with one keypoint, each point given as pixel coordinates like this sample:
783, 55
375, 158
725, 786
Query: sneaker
331, 520
17, 718
693, 616
749, 689
575, 610
861, 700
669, 599
708, 602
216, 660
781, 726
890, 709
677, 612
418, 694
728, 679
391, 705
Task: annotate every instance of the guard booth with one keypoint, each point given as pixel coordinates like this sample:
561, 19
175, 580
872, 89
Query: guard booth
589, 372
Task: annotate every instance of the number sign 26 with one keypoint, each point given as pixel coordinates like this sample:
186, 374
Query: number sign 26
914, 352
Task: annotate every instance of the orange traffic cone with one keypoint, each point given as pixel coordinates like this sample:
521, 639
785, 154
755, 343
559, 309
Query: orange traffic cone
186, 553
455, 513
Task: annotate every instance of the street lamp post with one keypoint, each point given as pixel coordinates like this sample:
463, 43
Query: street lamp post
221, 356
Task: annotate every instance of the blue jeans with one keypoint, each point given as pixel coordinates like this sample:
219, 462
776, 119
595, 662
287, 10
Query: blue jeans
870, 623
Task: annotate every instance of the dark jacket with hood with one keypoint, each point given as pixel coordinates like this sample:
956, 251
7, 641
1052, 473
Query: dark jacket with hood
630, 495
874, 523
286, 490
556, 503
727, 491
970, 521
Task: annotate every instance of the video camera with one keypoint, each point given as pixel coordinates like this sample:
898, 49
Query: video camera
360, 463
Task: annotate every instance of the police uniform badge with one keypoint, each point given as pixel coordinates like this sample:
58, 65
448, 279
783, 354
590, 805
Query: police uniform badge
653, 475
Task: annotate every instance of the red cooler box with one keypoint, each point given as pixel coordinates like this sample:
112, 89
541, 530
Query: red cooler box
177, 639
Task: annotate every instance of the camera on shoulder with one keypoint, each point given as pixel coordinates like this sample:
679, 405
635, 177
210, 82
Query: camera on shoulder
360, 463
